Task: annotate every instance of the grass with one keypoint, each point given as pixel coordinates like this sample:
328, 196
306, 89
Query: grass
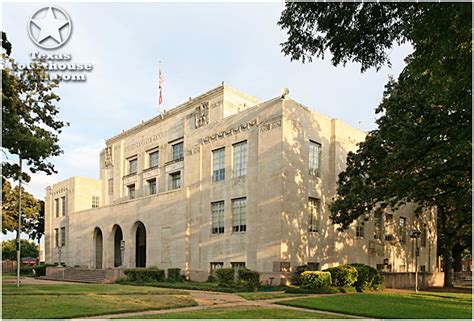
267, 295
81, 300
239, 312
425, 305
186, 285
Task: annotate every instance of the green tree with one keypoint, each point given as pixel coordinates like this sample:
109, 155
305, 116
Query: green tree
421, 150
27, 248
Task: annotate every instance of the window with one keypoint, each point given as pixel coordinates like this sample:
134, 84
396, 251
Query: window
216, 266
314, 208
284, 266
151, 186
239, 214
63, 206
111, 186
237, 265
218, 166
217, 217
313, 266
95, 201
131, 191
154, 158
378, 226
402, 233
132, 166
360, 232
423, 236
314, 158
175, 180
56, 237
240, 159
63, 236
56, 207
177, 151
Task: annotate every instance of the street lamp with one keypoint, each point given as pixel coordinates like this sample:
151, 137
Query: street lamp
415, 234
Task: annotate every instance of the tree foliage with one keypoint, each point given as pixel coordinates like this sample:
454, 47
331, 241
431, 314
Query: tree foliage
27, 248
421, 150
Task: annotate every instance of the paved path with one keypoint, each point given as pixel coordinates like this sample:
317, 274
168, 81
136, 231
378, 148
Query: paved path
29, 280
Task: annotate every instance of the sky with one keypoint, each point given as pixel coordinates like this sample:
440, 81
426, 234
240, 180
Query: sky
199, 46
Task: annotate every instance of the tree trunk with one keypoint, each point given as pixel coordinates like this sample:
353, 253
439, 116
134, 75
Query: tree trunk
457, 257
448, 273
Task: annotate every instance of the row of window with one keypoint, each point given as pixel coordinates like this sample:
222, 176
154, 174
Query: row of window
60, 239
152, 185
60, 207
239, 161
153, 157
239, 216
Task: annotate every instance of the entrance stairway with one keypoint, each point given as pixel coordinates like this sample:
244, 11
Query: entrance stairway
78, 275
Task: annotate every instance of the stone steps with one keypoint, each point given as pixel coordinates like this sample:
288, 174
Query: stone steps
78, 275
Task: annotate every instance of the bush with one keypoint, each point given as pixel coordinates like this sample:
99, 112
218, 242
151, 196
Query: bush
174, 275
211, 279
315, 279
296, 276
367, 278
329, 290
347, 289
145, 275
249, 280
225, 277
27, 271
344, 275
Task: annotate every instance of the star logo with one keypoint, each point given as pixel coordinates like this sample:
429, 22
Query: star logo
50, 27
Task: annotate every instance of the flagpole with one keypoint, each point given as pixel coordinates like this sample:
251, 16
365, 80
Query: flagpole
160, 87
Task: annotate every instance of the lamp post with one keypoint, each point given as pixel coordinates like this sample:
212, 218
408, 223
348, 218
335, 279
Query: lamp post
122, 252
415, 234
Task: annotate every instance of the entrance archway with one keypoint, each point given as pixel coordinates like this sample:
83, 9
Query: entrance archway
118, 237
99, 246
140, 245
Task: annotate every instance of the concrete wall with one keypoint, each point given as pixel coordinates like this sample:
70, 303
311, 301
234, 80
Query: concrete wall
407, 280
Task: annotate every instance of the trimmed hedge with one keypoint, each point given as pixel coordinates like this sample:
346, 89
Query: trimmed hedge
27, 270
145, 275
225, 277
329, 290
296, 276
342, 276
249, 281
174, 275
315, 279
368, 278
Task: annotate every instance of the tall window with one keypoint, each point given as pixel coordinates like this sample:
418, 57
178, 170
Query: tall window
424, 236
177, 151
56, 207
63, 236
151, 186
132, 166
175, 180
56, 237
216, 266
240, 159
217, 217
63, 206
378, 226
314, 208
154, 158
402, 229
360, 232
95, 201
111, 186
218, 166
314, 158
239, 214
131, 191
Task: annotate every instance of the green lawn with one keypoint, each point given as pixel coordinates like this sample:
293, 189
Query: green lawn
239, 312
80, 300
268, 295
425, 305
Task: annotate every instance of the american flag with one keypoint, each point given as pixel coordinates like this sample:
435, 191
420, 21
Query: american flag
160, 88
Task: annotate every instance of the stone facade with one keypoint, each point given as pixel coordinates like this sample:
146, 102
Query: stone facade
226, 180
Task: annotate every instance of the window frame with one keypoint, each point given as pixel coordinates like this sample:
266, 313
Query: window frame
402, 229
63, 236
314, 217
174, 155
314, 158
241, 227
217, 217
240, 162
360, 230
149, 186
172, 181
129, 167
219, 173
129, 188
150, 158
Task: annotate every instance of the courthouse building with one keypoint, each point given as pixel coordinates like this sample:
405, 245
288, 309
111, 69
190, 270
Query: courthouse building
226, 180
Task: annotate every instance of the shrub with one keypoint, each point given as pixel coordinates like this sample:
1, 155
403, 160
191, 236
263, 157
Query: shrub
27, 270
329, 290
367, 278
225, 277
249, 280
145, 275
211, 279
174, 275
347, 289
315, 279
296, 276
344, 275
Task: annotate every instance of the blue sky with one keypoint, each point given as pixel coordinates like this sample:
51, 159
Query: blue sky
200, 45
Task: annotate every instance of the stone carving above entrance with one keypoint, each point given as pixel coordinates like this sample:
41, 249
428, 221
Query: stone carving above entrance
109, 161
201, 115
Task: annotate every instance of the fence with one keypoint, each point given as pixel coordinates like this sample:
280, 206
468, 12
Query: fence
8, 266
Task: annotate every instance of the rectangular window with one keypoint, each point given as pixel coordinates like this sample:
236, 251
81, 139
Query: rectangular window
285, 266
218, 166
360, 231
402, 233
378, 226
314, 158
424, 236
132, 166
240, 159
216, 266
63, 206
239, 214
56, 237
131, 191
154, 158
217, 217
177, 151
95, 201
151, 186
56, 207
314, 209
63, 236
313, 266
237, 265
111, 186
175, 180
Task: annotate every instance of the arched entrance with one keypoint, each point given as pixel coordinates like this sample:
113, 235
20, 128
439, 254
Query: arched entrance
99, 245
140, 245
118, 237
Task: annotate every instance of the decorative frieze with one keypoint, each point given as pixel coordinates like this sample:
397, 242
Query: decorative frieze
229, 132
270, 124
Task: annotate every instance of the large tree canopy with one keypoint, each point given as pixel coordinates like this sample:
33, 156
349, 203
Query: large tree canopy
421, 150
